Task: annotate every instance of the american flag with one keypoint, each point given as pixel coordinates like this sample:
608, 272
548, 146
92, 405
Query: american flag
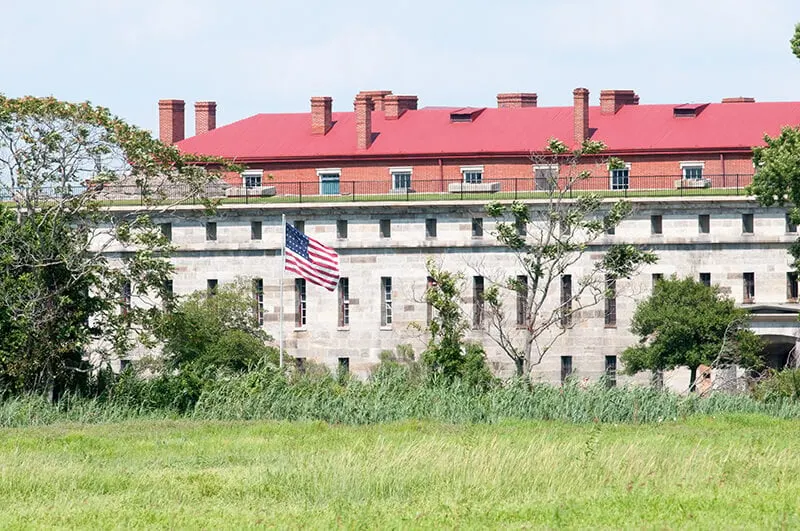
311, 259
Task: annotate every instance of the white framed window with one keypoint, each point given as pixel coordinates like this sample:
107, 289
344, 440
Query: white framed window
692, 170
300, 307
619, 179
545, 176
258, 300
472, 174
329, 181
344, 302
252, 178
401, 178
386, 301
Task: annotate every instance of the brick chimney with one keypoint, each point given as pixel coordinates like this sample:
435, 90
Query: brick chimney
321, 111
377, 98
516, 100
205, 116
581, 114
170, 120
363, 112
613, 100
394, 106
739, 99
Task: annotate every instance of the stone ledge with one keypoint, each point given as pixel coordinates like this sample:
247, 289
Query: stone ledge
254, 191
692, 183
473, 187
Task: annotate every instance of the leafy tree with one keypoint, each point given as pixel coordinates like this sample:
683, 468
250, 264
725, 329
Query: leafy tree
62, 299
777, 178
215, 331
42, 334
546, 239
686, 323
447, 353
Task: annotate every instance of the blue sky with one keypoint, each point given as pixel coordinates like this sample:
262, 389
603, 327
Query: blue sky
269, 56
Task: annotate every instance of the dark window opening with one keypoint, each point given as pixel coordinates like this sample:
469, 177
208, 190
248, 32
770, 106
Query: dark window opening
341, 229
747, 223
255, 230
790, 225
656, 224
749, 287
386, 228
611, 302
566, 368
125, 298
521, 227
477, 302
611, 371
704, 223
791, 286
522, 299
211, 231
430, 228
477, 227
657, 277
566, 300
166, 231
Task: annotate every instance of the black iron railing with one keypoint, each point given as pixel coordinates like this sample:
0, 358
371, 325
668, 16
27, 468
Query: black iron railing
417, 190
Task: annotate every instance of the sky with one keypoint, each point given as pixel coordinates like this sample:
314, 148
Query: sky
268, 56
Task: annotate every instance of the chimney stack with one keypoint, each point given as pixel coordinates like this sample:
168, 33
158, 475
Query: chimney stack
395, 106
516, 100
581, 114
205, 117
376, 97
321, 112
363, 112
613, 100
739, 99
171, 120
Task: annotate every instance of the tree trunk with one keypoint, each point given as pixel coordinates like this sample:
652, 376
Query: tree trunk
520, 366
693, 379
657, 380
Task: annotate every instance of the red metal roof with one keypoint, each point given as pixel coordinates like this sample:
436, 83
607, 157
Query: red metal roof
429, 132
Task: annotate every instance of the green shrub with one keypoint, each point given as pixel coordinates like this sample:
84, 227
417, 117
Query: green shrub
779, 385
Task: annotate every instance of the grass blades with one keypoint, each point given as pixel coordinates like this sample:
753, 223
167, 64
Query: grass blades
734, 471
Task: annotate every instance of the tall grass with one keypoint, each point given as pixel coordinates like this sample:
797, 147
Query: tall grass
392, 394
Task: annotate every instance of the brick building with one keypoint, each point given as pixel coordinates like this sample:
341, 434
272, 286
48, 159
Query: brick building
390, 184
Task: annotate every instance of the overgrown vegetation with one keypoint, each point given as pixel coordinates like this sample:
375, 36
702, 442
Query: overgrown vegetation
448, 356
220, 330
396, 391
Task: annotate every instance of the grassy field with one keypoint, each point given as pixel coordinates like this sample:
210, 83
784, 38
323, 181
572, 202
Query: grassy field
740, 471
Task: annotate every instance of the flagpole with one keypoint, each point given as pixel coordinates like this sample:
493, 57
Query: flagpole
283, 269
